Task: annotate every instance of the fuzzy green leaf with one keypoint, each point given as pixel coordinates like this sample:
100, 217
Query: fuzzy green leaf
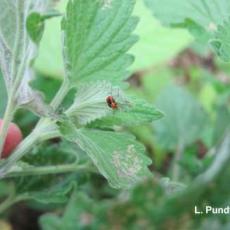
90, 102
96, 39
147, 53
90, 105
134, 112
118, 156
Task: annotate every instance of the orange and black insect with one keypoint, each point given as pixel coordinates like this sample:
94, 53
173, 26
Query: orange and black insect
111, 102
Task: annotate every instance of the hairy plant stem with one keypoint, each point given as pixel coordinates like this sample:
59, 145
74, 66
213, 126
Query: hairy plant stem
177, 158
59, 97
41, 134
11, 200
222, 159
8, 116
7, 203
57, 100
44, 170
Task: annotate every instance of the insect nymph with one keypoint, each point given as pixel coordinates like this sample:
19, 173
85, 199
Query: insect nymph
111, 102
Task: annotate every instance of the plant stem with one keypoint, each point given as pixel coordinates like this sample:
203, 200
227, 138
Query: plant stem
222, 159
176, 167
44, 170
7, 203
59, 97
8, 116
57, 100
43, 133
10, 200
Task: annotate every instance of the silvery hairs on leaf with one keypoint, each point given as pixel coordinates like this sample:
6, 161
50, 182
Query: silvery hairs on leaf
16, 48
90, 101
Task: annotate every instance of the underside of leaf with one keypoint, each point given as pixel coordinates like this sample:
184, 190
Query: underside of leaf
17, 50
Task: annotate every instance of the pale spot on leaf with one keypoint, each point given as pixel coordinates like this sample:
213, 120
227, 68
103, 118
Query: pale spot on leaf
127, 163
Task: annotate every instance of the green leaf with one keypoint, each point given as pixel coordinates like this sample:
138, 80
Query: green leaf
90, 102
96, 39
184, 118
136, 112
156, 44
118, 156
202, 17
35, 24
78, 205
17, 50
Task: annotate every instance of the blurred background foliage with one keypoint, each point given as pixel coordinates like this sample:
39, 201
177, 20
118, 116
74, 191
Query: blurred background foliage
192, 87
